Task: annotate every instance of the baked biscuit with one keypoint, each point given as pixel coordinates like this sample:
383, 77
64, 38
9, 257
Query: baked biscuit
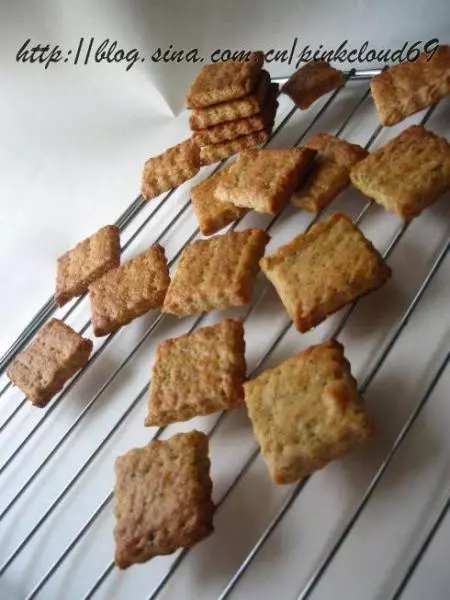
407, 174
312, 81
406, 88
198, 374
330, 174
56, 353
212, 214
162, 498
129, 291
169, 169
217, 273
233, 129
321, 271
89, 260
241, 108
264, 179
306, 412
219, 82
215, 152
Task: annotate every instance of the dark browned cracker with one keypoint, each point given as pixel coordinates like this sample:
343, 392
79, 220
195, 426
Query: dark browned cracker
129, 291
56, 353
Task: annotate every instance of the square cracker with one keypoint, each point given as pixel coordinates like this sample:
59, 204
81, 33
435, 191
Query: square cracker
56, 353
264, 179
241, 108
306, 412
198, 374
312, 81
320, 271
212, 214
407, 174
215, 152
330, 174
219, 82
129, 291
169, 169
162, 498
89, 260
405, 89
233, 129
217, 273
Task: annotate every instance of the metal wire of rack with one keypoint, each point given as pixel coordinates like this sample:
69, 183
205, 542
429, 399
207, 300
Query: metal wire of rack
48, 309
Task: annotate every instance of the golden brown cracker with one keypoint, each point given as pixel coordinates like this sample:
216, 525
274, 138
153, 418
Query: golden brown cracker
217, 273
406, 88
169, 169
407, 174
162, 498
198, 374
265, 179
129, 291
212, 214
312, 81
330, 174
320, 271
89, 260
219, 82
235, 129
56, 353
233, 110
306, 412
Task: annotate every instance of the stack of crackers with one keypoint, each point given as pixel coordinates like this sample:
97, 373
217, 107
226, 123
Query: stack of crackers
233, 107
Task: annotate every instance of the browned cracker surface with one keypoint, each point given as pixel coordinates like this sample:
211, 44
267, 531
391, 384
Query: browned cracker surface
321, 271
198, 373
407, 174
406, 88
215, 152
241, 108
234, 129
162, 498
330, 174
216, 273
312, 81
264, 179
129, 291
56, 353
306, 412
212, 214
169, 169
89, 260
223, 81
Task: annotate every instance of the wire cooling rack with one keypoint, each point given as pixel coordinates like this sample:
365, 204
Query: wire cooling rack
364, 527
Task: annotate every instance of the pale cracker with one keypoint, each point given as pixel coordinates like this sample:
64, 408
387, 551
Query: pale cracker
306, 412
217, 273
407, 174
320, 271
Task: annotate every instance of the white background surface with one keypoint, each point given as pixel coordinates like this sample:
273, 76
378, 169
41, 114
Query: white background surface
73, 141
